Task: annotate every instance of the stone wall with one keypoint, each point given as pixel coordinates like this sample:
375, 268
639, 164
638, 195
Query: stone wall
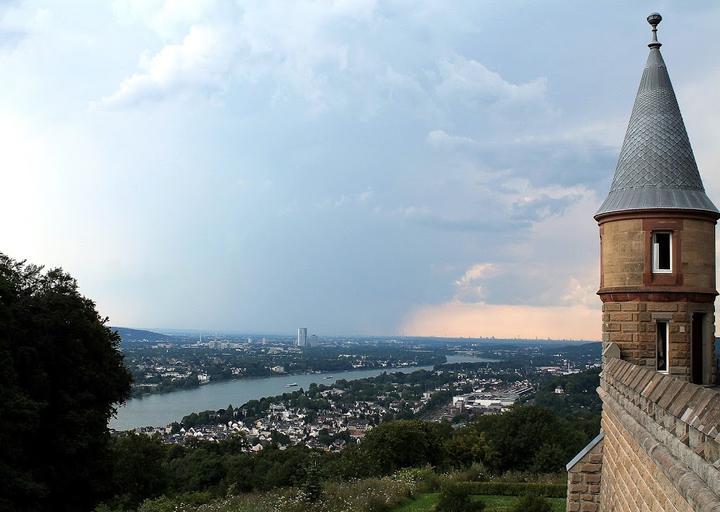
698, 254
584, 478
660, 450
631, 481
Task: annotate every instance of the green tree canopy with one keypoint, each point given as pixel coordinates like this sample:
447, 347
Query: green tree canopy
528, 438
405, 443
62, 377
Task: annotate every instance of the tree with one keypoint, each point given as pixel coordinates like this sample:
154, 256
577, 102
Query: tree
138, 471
528, 438
61, 380
312, 486
465, 447
405, 443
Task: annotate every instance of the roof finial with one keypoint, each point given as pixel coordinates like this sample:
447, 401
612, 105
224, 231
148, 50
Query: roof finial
654, 19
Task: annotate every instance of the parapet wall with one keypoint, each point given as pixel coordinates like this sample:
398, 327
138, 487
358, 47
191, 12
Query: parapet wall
661, 447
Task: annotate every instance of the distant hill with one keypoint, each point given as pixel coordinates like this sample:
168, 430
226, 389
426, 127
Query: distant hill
128, 335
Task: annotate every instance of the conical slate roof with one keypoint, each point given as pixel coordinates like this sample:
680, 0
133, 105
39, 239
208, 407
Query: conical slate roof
656, 168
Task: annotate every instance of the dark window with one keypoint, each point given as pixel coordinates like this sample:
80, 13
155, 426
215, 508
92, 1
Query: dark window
662, 346
662, 260
696, 349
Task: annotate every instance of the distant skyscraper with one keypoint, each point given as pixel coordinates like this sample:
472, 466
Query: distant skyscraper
302, 337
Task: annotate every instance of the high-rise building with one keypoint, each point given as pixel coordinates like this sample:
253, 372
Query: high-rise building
302, 337
659, 445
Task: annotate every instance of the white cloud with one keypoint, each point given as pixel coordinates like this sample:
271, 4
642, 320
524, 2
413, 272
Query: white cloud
201, 61
168, 18
442, 139
287, 42
468, 80
300, 50
469, 287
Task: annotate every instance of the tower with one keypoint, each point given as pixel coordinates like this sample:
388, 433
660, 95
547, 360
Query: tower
657, 240
302, 337
659, 444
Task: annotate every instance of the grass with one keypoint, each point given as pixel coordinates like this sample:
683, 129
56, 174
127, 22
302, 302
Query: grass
426, 503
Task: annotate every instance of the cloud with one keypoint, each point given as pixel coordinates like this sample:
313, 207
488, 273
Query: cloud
442, 139
200, 62
469, 81
541, 282
469, 287
291, 44
170, 18
318, 50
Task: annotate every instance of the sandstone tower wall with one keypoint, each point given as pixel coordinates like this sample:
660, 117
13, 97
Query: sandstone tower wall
626, 252
633, 327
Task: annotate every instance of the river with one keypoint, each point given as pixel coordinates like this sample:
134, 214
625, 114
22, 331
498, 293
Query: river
161, 409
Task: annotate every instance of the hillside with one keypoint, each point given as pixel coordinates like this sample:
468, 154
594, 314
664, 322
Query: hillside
141, 336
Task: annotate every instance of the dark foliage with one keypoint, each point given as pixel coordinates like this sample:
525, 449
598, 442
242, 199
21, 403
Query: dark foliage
528, 439
578, 398
532, 503
406, 443
312, 485
137, 469
61, 378
497, 488
457, 498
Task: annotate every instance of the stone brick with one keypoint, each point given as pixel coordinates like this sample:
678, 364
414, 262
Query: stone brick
590, 468
593, 478
595, 458
629, 327
662, 306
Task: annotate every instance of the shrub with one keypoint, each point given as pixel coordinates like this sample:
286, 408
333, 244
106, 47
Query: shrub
530, 503
516, 489
535, 478
456, 498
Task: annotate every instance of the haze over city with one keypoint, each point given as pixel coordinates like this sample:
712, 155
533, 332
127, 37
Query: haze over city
357, 167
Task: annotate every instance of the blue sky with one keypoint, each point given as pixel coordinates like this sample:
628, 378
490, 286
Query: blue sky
358, 166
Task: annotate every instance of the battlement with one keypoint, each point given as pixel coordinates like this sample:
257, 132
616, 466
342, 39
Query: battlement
662, 441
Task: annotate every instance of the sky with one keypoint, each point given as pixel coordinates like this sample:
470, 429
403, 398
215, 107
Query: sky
353, 166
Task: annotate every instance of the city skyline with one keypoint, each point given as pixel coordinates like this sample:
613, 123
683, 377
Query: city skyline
362, 167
